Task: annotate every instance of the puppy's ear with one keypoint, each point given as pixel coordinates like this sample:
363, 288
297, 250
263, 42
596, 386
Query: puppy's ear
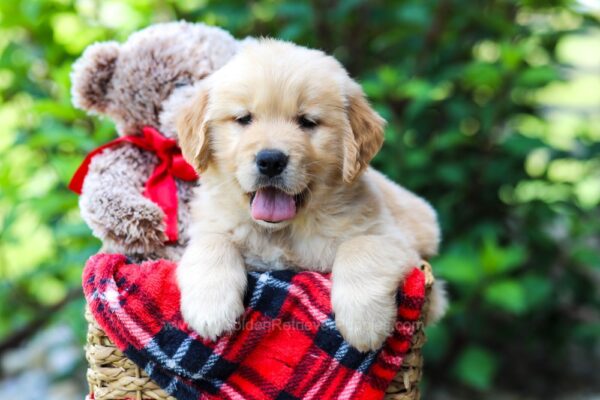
91, 76
365, 136
192, 130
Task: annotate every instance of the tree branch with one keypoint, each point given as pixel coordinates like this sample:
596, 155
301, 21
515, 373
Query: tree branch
43, 317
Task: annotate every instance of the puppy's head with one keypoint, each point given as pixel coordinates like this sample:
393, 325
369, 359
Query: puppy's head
282, 121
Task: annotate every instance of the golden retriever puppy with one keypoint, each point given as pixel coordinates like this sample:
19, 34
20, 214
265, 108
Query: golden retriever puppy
282, 138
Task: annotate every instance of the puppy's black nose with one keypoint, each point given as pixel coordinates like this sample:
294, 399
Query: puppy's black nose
271, 162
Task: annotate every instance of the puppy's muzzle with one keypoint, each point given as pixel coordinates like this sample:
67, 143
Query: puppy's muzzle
271, 162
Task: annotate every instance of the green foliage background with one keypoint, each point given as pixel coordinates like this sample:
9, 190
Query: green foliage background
494, 116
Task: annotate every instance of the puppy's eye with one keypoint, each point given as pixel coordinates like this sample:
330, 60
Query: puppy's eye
244, 120
182, 83
306, 122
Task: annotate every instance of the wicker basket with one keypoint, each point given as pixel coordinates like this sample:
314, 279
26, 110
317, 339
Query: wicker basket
112, 376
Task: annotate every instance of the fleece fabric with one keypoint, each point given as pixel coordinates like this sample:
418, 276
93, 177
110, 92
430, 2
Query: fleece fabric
286, 346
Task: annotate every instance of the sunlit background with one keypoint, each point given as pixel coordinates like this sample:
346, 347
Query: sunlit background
494, 116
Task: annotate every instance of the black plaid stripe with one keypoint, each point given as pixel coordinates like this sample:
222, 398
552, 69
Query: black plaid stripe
269, 291
283, 276
352, 359
173, 385
137, 356
196, 359
169, 340
286, 396
184, 392
177, 386
411, 302
221, 370
330, 341
270, 301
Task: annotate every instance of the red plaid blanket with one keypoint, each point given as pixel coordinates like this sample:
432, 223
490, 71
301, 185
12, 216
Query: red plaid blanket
287, 346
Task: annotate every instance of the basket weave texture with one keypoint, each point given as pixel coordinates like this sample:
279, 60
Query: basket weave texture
112, 376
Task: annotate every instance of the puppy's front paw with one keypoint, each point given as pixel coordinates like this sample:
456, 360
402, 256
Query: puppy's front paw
365, 321
211, 312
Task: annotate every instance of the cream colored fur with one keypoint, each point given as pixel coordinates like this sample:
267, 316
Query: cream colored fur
365, 229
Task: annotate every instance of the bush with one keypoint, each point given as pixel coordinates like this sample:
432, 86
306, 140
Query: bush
493, 117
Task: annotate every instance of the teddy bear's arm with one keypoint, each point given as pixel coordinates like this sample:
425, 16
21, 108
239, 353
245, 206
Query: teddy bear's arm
113, 206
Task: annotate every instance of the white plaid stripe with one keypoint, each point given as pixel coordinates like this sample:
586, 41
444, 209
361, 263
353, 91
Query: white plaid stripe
352, 383
172, 386
271, 280
324, 281
342, 351
182, 350
149, 368
313, 311
317, 386
173, 362
391, 359
231, 393
260, 284
329, 324
367, 362
111, 297
158, 354
212, 360
350, 387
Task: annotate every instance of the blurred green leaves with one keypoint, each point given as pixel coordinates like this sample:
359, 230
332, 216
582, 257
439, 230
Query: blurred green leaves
476, 367
506, 295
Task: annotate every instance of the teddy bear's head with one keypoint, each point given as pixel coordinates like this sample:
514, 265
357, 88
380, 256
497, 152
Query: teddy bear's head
130, 82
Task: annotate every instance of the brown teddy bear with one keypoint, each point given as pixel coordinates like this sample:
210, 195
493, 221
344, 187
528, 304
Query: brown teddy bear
135, 190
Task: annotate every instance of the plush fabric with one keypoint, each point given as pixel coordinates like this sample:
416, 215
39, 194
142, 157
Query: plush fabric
143, 81
287, 346
160, 187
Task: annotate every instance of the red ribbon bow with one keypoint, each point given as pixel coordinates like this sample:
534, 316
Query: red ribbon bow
160, 187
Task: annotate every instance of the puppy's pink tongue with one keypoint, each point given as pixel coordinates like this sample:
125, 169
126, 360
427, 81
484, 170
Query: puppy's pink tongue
273, 205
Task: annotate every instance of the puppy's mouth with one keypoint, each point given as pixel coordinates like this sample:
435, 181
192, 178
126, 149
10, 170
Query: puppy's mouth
273, 205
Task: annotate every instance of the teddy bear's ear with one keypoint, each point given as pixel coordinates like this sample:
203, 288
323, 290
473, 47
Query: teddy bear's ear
91, 76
